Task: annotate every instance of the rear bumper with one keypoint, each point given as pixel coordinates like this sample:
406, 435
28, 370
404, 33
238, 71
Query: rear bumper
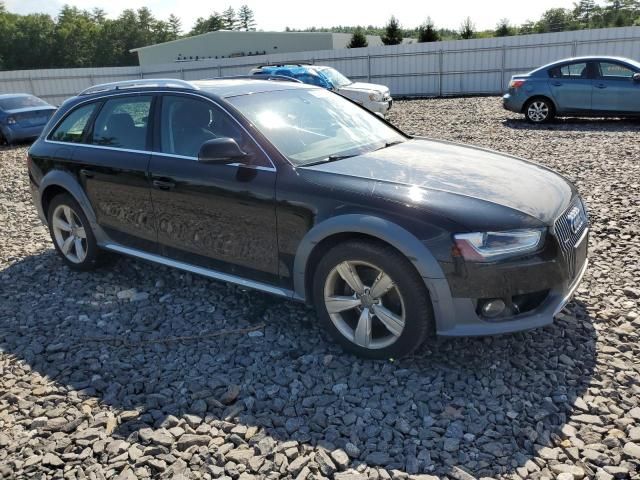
15, 134
457, 316
513, 102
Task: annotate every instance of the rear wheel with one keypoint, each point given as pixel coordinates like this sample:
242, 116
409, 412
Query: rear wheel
371, 300
71, 233
539, 110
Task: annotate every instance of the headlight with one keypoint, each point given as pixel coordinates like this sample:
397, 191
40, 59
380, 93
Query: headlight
488, 246
11, 121
375, 97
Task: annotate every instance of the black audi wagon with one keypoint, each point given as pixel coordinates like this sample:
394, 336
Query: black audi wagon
296, 191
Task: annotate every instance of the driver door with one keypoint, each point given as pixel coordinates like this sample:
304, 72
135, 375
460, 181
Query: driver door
220, 217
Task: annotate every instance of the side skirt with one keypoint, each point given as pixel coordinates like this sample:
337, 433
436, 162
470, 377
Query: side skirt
225, 277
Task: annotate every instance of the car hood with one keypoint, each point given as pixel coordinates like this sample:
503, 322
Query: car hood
419, 166
364, 87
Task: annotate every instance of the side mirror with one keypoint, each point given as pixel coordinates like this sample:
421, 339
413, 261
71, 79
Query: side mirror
221, 150
636, 77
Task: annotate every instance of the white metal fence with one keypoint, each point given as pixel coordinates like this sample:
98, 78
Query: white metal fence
458, 67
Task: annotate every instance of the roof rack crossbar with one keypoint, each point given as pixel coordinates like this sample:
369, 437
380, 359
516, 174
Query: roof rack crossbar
293, 64
259, 76
149, 82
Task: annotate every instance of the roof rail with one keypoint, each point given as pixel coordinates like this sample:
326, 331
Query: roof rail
150, 82
259, 76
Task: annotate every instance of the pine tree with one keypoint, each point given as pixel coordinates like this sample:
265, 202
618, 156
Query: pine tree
427, 32
175, 26
467, 29
230, 19
584, 11
246, 20
358, 39
392, 32
504, 29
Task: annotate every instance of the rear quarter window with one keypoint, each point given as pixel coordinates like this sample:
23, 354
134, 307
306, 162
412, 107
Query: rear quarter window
71, 129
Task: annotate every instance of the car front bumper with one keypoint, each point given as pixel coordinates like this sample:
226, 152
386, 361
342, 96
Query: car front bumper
380, 108
458, 315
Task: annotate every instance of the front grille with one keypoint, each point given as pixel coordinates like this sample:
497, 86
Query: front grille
568, 235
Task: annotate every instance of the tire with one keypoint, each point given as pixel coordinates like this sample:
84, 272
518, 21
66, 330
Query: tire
66, 221
539, 110
357, 322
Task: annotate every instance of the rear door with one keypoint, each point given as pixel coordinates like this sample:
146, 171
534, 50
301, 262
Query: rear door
571, 86
615, 91
113, 161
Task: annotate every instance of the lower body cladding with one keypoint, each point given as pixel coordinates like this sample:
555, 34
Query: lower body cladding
538, 292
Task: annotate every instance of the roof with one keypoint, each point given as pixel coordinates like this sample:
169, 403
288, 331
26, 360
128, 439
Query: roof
295, 69
588, 58
235, 87
14, 95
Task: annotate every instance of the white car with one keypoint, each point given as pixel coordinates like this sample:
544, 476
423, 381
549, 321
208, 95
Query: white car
374, 97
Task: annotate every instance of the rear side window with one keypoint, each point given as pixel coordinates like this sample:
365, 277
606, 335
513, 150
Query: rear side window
615, 71
122, 122
74, 124
572, 70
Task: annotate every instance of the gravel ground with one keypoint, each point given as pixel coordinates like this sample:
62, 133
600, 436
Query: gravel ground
139, 371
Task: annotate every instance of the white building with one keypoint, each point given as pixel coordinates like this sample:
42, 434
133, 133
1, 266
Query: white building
227, 43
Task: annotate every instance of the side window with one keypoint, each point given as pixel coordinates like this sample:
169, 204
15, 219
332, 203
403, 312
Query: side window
187, 122
72, 127
572, 70
615, 71
122, 122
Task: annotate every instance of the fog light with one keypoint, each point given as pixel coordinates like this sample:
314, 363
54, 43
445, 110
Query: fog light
493, 308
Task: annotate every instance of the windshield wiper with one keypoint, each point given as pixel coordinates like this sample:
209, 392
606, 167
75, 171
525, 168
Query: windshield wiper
330, 158
390, 144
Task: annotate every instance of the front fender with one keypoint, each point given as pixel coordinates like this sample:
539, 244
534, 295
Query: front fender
389, 232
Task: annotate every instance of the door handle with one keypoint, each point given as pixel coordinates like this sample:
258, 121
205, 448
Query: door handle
601, 85
556, 84
163, 184
87, 173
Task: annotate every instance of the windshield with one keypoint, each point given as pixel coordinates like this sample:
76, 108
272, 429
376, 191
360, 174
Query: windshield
335, 77
23, 101
314, 125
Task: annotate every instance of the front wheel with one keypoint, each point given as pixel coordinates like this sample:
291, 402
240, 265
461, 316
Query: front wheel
539, 110
372, 300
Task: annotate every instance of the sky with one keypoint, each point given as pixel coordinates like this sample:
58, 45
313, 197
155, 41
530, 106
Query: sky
275, 15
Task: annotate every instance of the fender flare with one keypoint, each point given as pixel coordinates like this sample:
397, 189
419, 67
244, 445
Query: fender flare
386, 231
391, 233
67, 181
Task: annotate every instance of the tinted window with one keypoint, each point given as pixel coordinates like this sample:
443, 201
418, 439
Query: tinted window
615, 71
72, 127
122, 122
187, 122
23, 101
572, 70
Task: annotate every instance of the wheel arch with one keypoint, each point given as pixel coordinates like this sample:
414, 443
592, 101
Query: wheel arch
541, 96
335, 230
59, 182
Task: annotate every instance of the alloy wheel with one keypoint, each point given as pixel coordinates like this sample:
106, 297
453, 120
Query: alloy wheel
69, 234
364, 304
538, 111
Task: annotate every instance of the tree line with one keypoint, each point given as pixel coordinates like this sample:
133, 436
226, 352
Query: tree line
87, 38
584, 14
